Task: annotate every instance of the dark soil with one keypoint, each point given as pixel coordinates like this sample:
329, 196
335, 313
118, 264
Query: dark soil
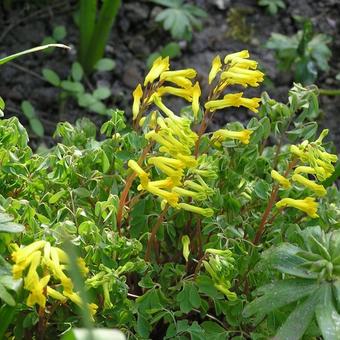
135, 36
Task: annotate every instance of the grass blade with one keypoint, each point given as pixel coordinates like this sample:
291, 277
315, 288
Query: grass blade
101, 33
88, 10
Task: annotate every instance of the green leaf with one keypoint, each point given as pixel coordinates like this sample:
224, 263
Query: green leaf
59, 33
32, 50
7, 314
51, 76
279, 294
327, 316
262, 189
56, 197
101, 33
284, 259
28, 110
82, 192
5, 296
7, 225
37, 127
102, 93
298, 321
105, 64
77, 72
214, 331
87, 20
72, 86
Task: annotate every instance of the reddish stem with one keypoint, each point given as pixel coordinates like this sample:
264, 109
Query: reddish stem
154, 230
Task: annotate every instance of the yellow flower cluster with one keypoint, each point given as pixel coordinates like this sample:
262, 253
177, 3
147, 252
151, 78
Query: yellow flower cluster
51, 261
156, 85
175, 160
237, 69
316, 162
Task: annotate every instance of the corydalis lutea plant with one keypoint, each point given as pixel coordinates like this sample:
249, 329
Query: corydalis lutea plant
176, 158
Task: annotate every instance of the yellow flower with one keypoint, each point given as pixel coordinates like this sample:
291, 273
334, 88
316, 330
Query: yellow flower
199, 196
170, 197
159, 66
158, 102
207, 212
307, 205
36, 288
175, 91
250, 103
196, 93
282, 180
233, 99
22, 253
180, 81
241, 54
240, 76
304, 170
189, 161
186, 73
243, 63
317, 188
175, 173
215, 68
223, 134
143, 176
137, 96
167, 183
55, 294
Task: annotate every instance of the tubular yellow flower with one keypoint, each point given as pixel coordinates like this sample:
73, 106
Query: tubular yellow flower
175, 163
37, 291
143, 176
183, 82
55, 294
304, 170
186, 73
279, 178
317, 188
175, 174
137, 96
241, 54
307, 205
158, 102
250, 103
189, 161
167, 183
234, 99
223, 134
159, 66
199, 196
296, 151
207, 212
231, 99
203, 187
215, 68
22, 253
196, 93
175, 91
170, 197
240, 76
243, 63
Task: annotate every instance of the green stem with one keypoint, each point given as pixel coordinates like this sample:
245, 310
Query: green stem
329, 92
